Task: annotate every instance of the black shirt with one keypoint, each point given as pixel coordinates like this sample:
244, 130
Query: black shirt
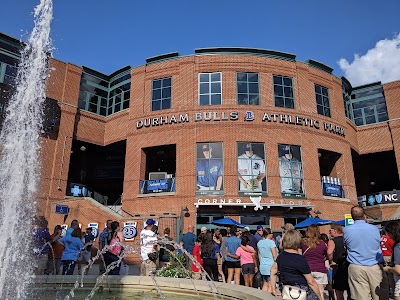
292, 266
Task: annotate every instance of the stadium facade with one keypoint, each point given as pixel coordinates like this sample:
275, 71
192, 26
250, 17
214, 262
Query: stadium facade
250, 134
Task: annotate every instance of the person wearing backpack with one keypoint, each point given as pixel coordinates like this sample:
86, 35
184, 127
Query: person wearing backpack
113, 242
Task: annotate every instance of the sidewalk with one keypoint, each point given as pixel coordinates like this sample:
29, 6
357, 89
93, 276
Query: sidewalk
134, 269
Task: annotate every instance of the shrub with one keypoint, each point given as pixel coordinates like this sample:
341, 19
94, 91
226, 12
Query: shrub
175, 268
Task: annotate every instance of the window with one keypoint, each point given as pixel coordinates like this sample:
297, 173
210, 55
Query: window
248, 90
369, 105
346, 92
210, 92
251, 169
323, 107
96, 96
283, 91
291, 171
161, 94
209, 169
254, 219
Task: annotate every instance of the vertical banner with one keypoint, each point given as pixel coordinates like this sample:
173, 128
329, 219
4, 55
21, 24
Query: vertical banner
129, 231
209, 169
251, 169
95, 229
291, 171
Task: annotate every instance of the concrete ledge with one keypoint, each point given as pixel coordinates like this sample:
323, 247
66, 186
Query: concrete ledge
172, 285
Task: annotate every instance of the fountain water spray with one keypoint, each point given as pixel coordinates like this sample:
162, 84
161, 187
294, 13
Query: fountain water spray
19, 159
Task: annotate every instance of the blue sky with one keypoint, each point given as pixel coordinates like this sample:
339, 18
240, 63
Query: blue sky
108, 35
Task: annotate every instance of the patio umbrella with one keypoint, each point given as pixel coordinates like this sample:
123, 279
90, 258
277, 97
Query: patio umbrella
309, 221
226, 222
340, 222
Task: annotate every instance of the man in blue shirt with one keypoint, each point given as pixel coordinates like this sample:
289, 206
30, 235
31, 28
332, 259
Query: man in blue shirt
366, 277
209, 171
188, 240
233, 265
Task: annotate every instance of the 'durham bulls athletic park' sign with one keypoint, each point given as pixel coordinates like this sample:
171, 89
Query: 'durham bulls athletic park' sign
249, 116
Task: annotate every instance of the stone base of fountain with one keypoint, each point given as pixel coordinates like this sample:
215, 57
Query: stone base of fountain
167, 285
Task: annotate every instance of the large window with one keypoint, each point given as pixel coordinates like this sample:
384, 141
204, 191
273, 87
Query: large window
8, 69
369, 105
161, 94
209, 169
322, 96
251, 169
104, 96
248, 91
210, 91
283, 91
291, 171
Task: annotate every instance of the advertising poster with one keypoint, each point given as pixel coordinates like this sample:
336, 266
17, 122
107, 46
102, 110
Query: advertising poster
291, 171
251, 169
209, 169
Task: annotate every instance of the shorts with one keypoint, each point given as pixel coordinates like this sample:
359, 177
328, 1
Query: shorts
320, 278
248, 269
266, 277
340, 278
233, 264
84, 256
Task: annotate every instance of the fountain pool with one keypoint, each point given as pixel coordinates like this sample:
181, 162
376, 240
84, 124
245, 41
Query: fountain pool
142, 288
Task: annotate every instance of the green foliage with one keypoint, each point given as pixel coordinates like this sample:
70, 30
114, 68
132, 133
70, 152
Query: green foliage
175, 268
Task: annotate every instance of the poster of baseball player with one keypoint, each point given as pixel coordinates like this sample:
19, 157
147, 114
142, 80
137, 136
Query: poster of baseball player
291, 171
251, 169
209, 169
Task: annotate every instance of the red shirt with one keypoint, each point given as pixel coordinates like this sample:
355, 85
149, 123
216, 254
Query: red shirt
196, 254
386, 245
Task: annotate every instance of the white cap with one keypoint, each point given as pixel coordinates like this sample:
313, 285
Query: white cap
204, 228
247, 228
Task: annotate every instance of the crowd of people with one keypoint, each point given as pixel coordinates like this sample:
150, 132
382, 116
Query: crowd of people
359, 261
59, 253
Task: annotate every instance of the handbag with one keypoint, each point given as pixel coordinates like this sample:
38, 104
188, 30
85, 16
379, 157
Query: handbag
153, 255
258, 280
291, 292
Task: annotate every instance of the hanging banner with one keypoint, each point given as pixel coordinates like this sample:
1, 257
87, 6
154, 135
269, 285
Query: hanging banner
129, 231
95, 229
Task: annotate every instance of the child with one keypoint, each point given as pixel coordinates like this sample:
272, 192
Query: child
197, 255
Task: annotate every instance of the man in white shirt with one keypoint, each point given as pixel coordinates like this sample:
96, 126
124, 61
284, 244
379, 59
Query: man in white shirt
148, 240
250, 167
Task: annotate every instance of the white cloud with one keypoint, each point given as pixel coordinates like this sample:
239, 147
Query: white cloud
381, 63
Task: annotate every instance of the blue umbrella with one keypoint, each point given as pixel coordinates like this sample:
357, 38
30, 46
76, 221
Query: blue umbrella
226, 222
340, 222
309, 221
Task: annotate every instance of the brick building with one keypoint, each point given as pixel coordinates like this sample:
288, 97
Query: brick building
182, 138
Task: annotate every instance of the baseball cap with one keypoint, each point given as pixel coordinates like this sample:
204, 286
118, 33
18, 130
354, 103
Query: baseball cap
286, 149
288, 226
150, 222
204, 228
247, 147
205, 147
259, 227
247, 228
